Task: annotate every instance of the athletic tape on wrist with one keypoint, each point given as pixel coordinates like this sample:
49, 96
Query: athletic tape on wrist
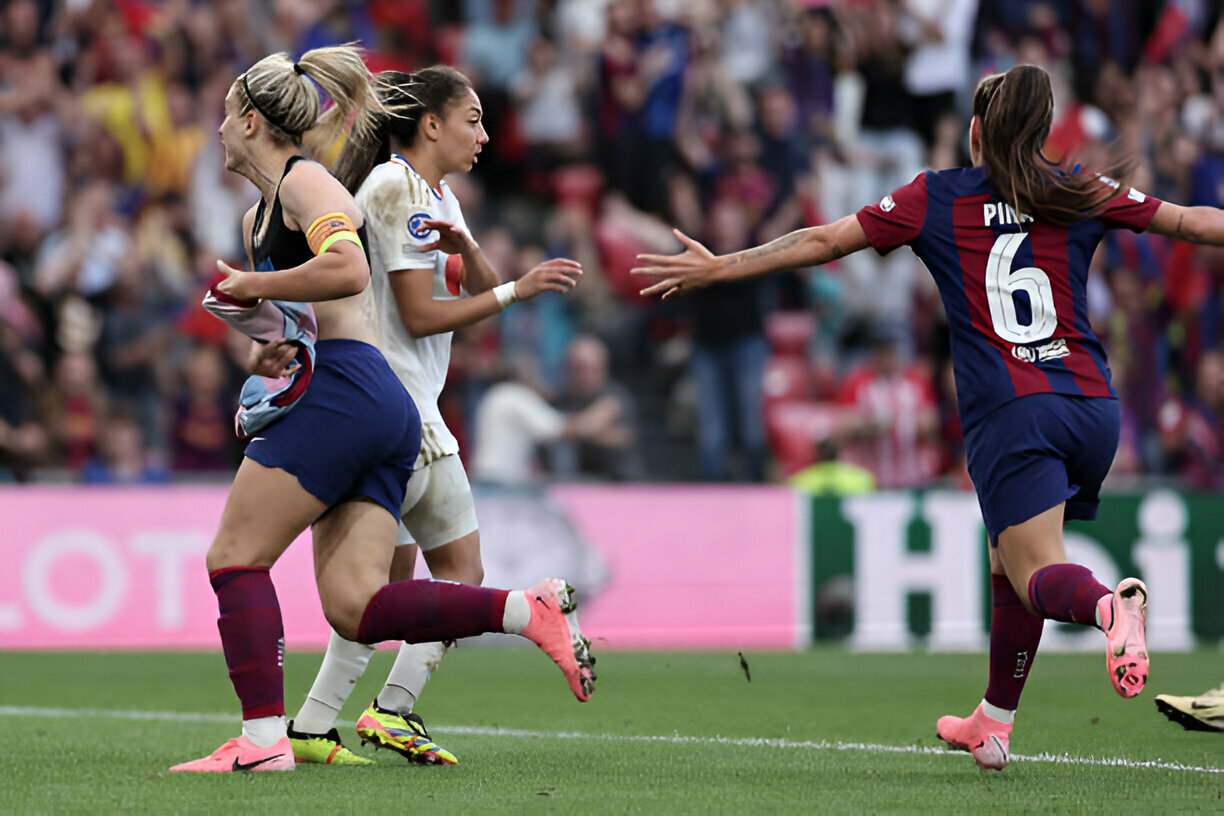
504, 292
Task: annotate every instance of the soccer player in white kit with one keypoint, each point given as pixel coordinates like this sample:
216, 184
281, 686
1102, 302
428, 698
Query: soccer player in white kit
429, 278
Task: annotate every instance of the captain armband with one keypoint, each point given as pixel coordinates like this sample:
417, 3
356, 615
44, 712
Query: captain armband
330, 228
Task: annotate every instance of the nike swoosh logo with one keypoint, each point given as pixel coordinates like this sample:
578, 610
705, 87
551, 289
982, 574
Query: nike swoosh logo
250, 766
1197, 706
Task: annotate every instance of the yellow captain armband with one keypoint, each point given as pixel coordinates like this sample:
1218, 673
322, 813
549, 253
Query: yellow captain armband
330, 228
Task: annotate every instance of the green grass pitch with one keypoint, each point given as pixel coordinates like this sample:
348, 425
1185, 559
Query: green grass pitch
824, 731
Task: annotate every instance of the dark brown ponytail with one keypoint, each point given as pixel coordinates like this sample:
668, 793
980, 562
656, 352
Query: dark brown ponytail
1015, 111
405, 99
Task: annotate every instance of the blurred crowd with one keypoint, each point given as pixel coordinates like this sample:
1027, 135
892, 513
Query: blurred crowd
610, 121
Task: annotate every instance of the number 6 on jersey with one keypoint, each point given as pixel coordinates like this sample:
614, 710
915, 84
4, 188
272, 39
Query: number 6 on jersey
1002, 284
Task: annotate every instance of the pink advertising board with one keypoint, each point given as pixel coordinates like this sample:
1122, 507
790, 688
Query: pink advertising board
656, 566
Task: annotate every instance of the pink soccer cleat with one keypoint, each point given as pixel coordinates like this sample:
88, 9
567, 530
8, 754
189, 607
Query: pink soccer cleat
240, 755
979, 734
1122, 616
554, 628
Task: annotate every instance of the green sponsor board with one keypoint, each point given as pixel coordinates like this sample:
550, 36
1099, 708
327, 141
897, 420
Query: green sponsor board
891, 570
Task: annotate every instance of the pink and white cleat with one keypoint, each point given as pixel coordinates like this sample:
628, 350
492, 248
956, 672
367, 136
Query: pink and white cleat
1122, 616
554, 628
979, 734
240, 755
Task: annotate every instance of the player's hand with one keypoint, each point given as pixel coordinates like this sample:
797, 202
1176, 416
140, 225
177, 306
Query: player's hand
555, 275
277, 358
694, 268
451, 239
238, 283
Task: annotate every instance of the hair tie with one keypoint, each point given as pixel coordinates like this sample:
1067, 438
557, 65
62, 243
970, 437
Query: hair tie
297, 69
260, 109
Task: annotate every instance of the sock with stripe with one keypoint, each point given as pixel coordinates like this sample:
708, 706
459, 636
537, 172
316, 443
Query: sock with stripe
253, 640
1015, 634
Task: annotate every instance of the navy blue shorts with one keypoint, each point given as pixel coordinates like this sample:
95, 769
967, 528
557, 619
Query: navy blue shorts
1039, 451
355, 433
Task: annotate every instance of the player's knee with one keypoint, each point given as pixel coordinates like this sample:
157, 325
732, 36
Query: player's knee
468, 571
230, 551
344, 615
345, 600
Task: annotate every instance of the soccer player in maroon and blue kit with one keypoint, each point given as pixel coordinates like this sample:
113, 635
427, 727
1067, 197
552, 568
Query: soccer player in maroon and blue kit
1008, 242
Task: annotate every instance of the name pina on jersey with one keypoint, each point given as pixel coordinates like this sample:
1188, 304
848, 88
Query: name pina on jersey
999, 214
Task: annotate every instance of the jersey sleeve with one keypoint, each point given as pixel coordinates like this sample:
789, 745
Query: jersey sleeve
1132, 210
897, 219
396, 204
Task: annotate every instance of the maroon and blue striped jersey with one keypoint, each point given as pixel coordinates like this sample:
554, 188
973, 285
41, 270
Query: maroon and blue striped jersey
1014, 289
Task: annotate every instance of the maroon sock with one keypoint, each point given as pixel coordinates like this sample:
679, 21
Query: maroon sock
1015, 633
424, 611
252, 637
1067, 593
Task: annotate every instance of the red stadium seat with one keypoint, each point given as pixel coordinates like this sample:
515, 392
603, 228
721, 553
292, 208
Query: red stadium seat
790, 332
787, 378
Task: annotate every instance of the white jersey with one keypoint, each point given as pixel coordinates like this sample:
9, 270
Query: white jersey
396, 202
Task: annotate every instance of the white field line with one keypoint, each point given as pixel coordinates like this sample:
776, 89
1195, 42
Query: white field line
673, 739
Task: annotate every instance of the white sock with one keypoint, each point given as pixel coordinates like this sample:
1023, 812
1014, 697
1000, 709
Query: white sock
517, 614
264, 731
343, 664
996, 713
414, 665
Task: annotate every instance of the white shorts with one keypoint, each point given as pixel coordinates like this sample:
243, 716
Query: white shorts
438, 507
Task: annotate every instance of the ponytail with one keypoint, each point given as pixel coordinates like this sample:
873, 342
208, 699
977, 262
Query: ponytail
283, 92
1015, 111
404, 99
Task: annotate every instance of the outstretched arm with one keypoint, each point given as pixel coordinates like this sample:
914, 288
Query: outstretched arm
424, 315
697, 267
1198, 225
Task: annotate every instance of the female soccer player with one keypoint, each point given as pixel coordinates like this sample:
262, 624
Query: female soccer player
430, 278
338, 459
1041, 419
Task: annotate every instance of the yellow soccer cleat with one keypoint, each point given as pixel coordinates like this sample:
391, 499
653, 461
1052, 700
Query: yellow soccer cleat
405, 735
323, 749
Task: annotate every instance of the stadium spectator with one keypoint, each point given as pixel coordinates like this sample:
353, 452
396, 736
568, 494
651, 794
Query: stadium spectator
23, 439
202, 424
75, 409
513, 420
612, 455
728, 355
122, 455
891, 417
830, 475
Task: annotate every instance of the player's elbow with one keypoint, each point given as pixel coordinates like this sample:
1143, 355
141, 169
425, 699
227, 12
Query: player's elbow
354, 282
418, 325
